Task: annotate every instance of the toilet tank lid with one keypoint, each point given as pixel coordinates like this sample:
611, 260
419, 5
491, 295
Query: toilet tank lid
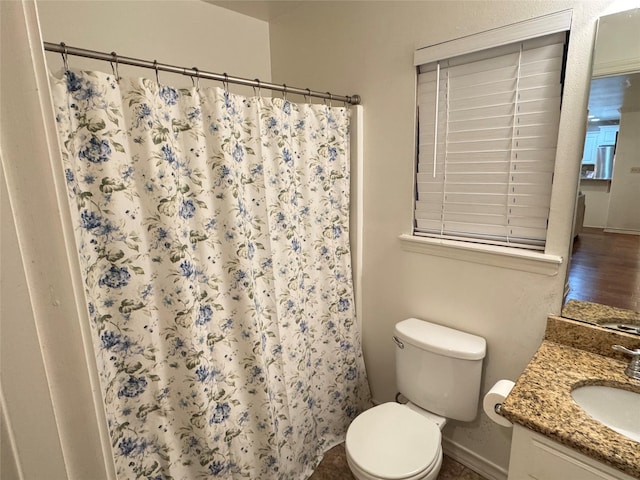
441, 340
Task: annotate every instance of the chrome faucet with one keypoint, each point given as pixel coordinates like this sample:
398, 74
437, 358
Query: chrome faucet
633, 369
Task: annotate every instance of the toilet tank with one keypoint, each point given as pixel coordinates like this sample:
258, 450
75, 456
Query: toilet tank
439, 368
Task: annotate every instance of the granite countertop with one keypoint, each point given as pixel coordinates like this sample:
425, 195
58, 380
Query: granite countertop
573, 355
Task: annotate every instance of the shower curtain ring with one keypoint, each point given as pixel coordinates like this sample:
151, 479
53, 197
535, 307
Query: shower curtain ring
197, 81
225, 82
307, 97
259, 94
330, 99
115, 68
284, 92
65, 55
155, 66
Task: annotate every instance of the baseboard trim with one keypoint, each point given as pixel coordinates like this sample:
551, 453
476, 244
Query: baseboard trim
621, 231
475, 462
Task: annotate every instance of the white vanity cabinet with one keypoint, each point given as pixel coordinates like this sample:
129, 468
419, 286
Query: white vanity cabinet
534, 456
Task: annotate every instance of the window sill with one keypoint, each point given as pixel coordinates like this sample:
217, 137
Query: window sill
504, 257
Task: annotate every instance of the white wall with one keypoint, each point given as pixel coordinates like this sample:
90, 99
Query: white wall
624, 201
185, 33
23, 383
614, 31
367, 48
8, 465
53, 415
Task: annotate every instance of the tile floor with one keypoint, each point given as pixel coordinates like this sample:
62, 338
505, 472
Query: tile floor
334, 467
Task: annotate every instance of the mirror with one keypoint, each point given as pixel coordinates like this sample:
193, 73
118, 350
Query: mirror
604, 274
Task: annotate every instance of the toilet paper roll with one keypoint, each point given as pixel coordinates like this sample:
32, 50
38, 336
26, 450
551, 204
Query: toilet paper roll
495, 397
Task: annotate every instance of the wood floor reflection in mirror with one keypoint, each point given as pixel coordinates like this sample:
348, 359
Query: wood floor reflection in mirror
605, 269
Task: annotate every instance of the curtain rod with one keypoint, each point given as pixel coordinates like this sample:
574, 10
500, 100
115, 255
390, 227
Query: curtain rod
193, 72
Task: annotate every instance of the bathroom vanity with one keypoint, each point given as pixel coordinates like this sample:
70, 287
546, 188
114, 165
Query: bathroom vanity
553, 437
536, 456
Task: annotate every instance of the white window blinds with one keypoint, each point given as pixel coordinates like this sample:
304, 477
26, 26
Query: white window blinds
488, 127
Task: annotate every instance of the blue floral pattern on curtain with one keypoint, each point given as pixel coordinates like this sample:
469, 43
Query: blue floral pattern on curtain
213, 239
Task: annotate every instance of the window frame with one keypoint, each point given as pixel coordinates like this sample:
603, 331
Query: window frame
504, 256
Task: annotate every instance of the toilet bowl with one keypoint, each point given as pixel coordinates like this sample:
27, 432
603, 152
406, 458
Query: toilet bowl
438, 370
393, 442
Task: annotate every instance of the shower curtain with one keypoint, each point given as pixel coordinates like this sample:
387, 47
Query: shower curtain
212, 232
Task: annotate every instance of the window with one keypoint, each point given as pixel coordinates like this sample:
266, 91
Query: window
487, 133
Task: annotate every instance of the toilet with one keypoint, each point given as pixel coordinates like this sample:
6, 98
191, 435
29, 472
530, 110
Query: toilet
438, 370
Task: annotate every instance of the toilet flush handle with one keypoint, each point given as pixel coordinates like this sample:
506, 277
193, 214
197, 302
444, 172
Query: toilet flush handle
398, 342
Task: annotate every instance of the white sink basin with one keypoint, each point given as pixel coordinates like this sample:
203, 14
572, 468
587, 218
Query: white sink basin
616, 408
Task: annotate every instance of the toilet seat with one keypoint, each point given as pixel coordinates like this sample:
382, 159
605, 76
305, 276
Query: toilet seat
393, 442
